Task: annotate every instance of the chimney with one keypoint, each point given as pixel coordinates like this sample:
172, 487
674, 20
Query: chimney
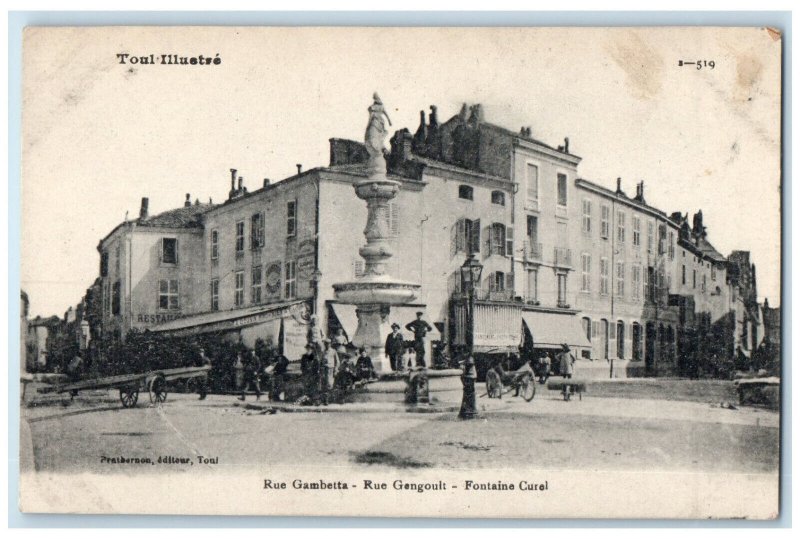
143, 210
266, 182
233, 179
188, 201
566, 144
197, 202
299, 168
619, 185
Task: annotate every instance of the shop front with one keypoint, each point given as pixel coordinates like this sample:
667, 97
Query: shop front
283, 325
545, 331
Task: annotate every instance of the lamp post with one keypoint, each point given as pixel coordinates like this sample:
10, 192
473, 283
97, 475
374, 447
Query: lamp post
470, 275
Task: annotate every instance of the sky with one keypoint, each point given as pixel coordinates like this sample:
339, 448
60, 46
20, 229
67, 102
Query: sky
99, 135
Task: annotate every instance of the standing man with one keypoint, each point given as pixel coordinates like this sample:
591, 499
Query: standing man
253, 370
395, 347
328, 364
566, 361
420, 328
309, 365
202, 381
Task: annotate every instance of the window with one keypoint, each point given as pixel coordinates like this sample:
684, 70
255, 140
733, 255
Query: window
498, 282
562, 189
586, 223
533, 183
650, 283
636, 281
586, 323
605, 213
255, 285
562, 289
117, 259
637, 224
620, 279
214, 245
240, 237
683, 274
106, 298
290, 280
465, 192
291, 218
214, 294
116, 298
586, 269
169, 250
604, 276
694, 278
104, 264
533, 285
497, 240
662, 238
499, 197
468, 236
703, 284
650, 236
168, 294
238, 293
713, 273
621, 226
257, 231
533, 229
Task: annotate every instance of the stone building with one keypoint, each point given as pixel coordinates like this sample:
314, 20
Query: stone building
631, 289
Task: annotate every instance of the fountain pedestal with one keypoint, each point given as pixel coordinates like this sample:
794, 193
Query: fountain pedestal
375, 292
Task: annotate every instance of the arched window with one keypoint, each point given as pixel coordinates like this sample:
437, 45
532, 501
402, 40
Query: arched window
499, 197
465, 192
587, 327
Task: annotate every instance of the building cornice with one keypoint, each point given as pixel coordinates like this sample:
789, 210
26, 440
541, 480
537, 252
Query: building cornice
623, 199
532, 145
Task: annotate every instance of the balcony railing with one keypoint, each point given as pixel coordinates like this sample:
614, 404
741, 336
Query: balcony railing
533, 251
562, 256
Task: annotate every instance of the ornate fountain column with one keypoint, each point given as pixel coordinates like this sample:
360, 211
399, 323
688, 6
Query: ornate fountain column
375, 292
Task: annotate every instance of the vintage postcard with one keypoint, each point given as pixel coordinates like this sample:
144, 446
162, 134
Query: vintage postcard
406, 272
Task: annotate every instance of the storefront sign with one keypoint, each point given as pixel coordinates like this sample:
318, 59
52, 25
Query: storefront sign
158, 318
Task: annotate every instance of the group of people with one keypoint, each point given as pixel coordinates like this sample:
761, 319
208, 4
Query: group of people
253, 371
401, 354
564, 362
330, 367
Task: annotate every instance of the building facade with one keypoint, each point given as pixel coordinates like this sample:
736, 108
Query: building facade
565, 260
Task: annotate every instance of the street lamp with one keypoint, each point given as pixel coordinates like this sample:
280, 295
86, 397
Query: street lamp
470, 276
471, 271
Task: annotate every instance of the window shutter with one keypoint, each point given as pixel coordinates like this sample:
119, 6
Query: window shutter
460, 236
488, 242
475, 237
510, 241
509, 282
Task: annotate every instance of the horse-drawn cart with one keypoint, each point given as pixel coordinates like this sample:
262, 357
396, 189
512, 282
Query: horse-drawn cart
521, 380
129, 385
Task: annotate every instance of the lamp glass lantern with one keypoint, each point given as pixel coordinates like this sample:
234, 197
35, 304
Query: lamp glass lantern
471, 271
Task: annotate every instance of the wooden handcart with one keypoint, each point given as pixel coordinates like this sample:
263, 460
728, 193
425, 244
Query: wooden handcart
129, 385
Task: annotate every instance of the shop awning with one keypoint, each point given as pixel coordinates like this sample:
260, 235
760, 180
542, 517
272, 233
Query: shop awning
550, 330
232, 320
346, 314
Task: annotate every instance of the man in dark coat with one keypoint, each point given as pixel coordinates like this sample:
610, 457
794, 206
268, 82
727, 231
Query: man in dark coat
253, 370
280, 367
395, 348
420, 328
309, 366
202, 381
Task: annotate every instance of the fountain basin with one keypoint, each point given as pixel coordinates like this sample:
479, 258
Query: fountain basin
377, 291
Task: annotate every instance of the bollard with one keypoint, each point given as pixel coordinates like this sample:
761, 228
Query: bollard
417, 387
468, 405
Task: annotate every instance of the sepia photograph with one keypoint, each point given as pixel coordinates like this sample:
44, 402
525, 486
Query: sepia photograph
529, 272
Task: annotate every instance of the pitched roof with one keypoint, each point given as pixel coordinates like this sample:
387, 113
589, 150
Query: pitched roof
184, 217
708, 250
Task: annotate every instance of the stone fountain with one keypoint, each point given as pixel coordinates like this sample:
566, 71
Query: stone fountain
375, 292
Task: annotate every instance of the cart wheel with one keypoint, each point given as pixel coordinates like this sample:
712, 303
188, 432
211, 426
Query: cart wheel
494, 386
128, 396
528, 387
158, 390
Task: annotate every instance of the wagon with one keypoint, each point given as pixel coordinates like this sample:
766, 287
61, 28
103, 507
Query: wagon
129, 385
497, 382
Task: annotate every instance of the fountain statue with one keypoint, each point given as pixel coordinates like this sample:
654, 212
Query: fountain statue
375, 292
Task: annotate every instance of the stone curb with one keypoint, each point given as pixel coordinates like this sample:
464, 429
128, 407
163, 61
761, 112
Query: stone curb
349, 408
